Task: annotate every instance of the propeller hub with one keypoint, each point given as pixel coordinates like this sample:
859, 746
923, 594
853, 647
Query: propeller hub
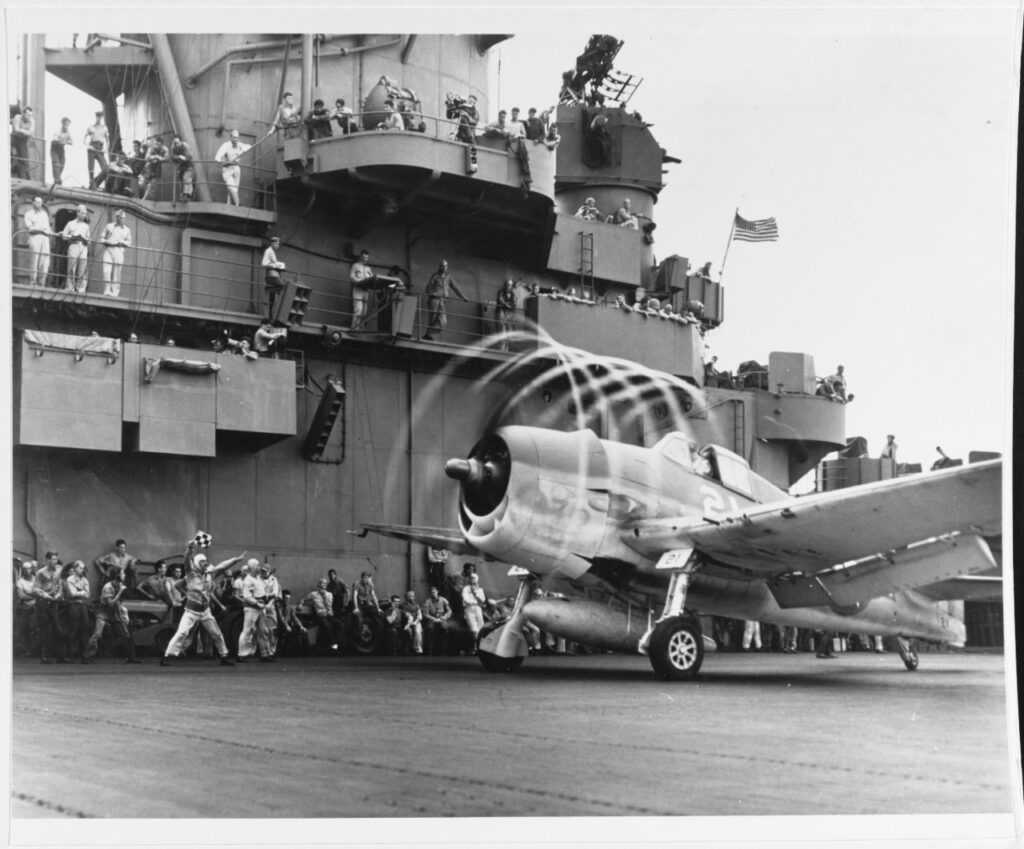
483, 477
461, 470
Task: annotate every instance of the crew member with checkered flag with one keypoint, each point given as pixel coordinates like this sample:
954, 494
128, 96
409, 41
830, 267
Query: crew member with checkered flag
197, 586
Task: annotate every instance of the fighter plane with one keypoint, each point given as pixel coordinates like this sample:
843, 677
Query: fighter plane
697, 527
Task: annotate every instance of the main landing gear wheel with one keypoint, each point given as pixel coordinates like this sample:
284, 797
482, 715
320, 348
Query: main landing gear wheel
908, 653
676, 649
492, 662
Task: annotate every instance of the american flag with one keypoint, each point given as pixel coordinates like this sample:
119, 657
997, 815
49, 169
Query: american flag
762, 230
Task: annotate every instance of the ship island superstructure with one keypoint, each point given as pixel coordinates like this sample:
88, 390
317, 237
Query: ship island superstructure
134, 418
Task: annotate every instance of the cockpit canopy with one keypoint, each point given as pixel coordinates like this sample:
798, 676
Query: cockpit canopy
729, 469
711, 461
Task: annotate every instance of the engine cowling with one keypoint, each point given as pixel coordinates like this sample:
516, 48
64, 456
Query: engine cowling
522, 487
548, 500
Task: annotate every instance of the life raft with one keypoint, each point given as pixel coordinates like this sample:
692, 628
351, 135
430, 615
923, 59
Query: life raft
152, 365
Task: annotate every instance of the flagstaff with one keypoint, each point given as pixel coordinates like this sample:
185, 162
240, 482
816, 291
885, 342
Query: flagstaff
732, 230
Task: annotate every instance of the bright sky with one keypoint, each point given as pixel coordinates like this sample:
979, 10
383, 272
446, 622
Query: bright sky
883, 142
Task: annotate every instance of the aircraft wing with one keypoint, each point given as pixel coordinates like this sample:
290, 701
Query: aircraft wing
965, 588
449, 538
820, 531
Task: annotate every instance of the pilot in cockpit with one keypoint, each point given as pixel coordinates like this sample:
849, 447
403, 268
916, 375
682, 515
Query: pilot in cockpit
701, 465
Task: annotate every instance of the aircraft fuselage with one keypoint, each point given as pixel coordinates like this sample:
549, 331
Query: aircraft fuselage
558, 503
555, 502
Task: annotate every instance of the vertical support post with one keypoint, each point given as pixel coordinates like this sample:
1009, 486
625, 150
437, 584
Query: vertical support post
32, 93
170, 83
306, 96
732, 230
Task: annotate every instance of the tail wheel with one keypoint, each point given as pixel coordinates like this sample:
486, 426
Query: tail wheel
908, 654
676, 649
492, 662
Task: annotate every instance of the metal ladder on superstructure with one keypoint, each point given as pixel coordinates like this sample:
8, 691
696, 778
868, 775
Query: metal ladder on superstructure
829, 477
739, 426
587, 265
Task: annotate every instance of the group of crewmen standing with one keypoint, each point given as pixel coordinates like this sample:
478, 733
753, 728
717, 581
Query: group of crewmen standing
115, 238
131, 174
53, 602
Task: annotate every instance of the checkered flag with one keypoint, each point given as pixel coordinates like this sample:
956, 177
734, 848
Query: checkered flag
202, 539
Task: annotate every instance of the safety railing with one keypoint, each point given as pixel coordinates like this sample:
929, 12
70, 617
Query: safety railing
744, 379
833, 389
360, 123
350, 124
158, 180
637, 222
28, 160
256, 187
32, 160
368, 122
152, 279
165, 180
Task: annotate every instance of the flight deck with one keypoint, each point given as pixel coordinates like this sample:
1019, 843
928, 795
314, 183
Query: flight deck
593, 736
